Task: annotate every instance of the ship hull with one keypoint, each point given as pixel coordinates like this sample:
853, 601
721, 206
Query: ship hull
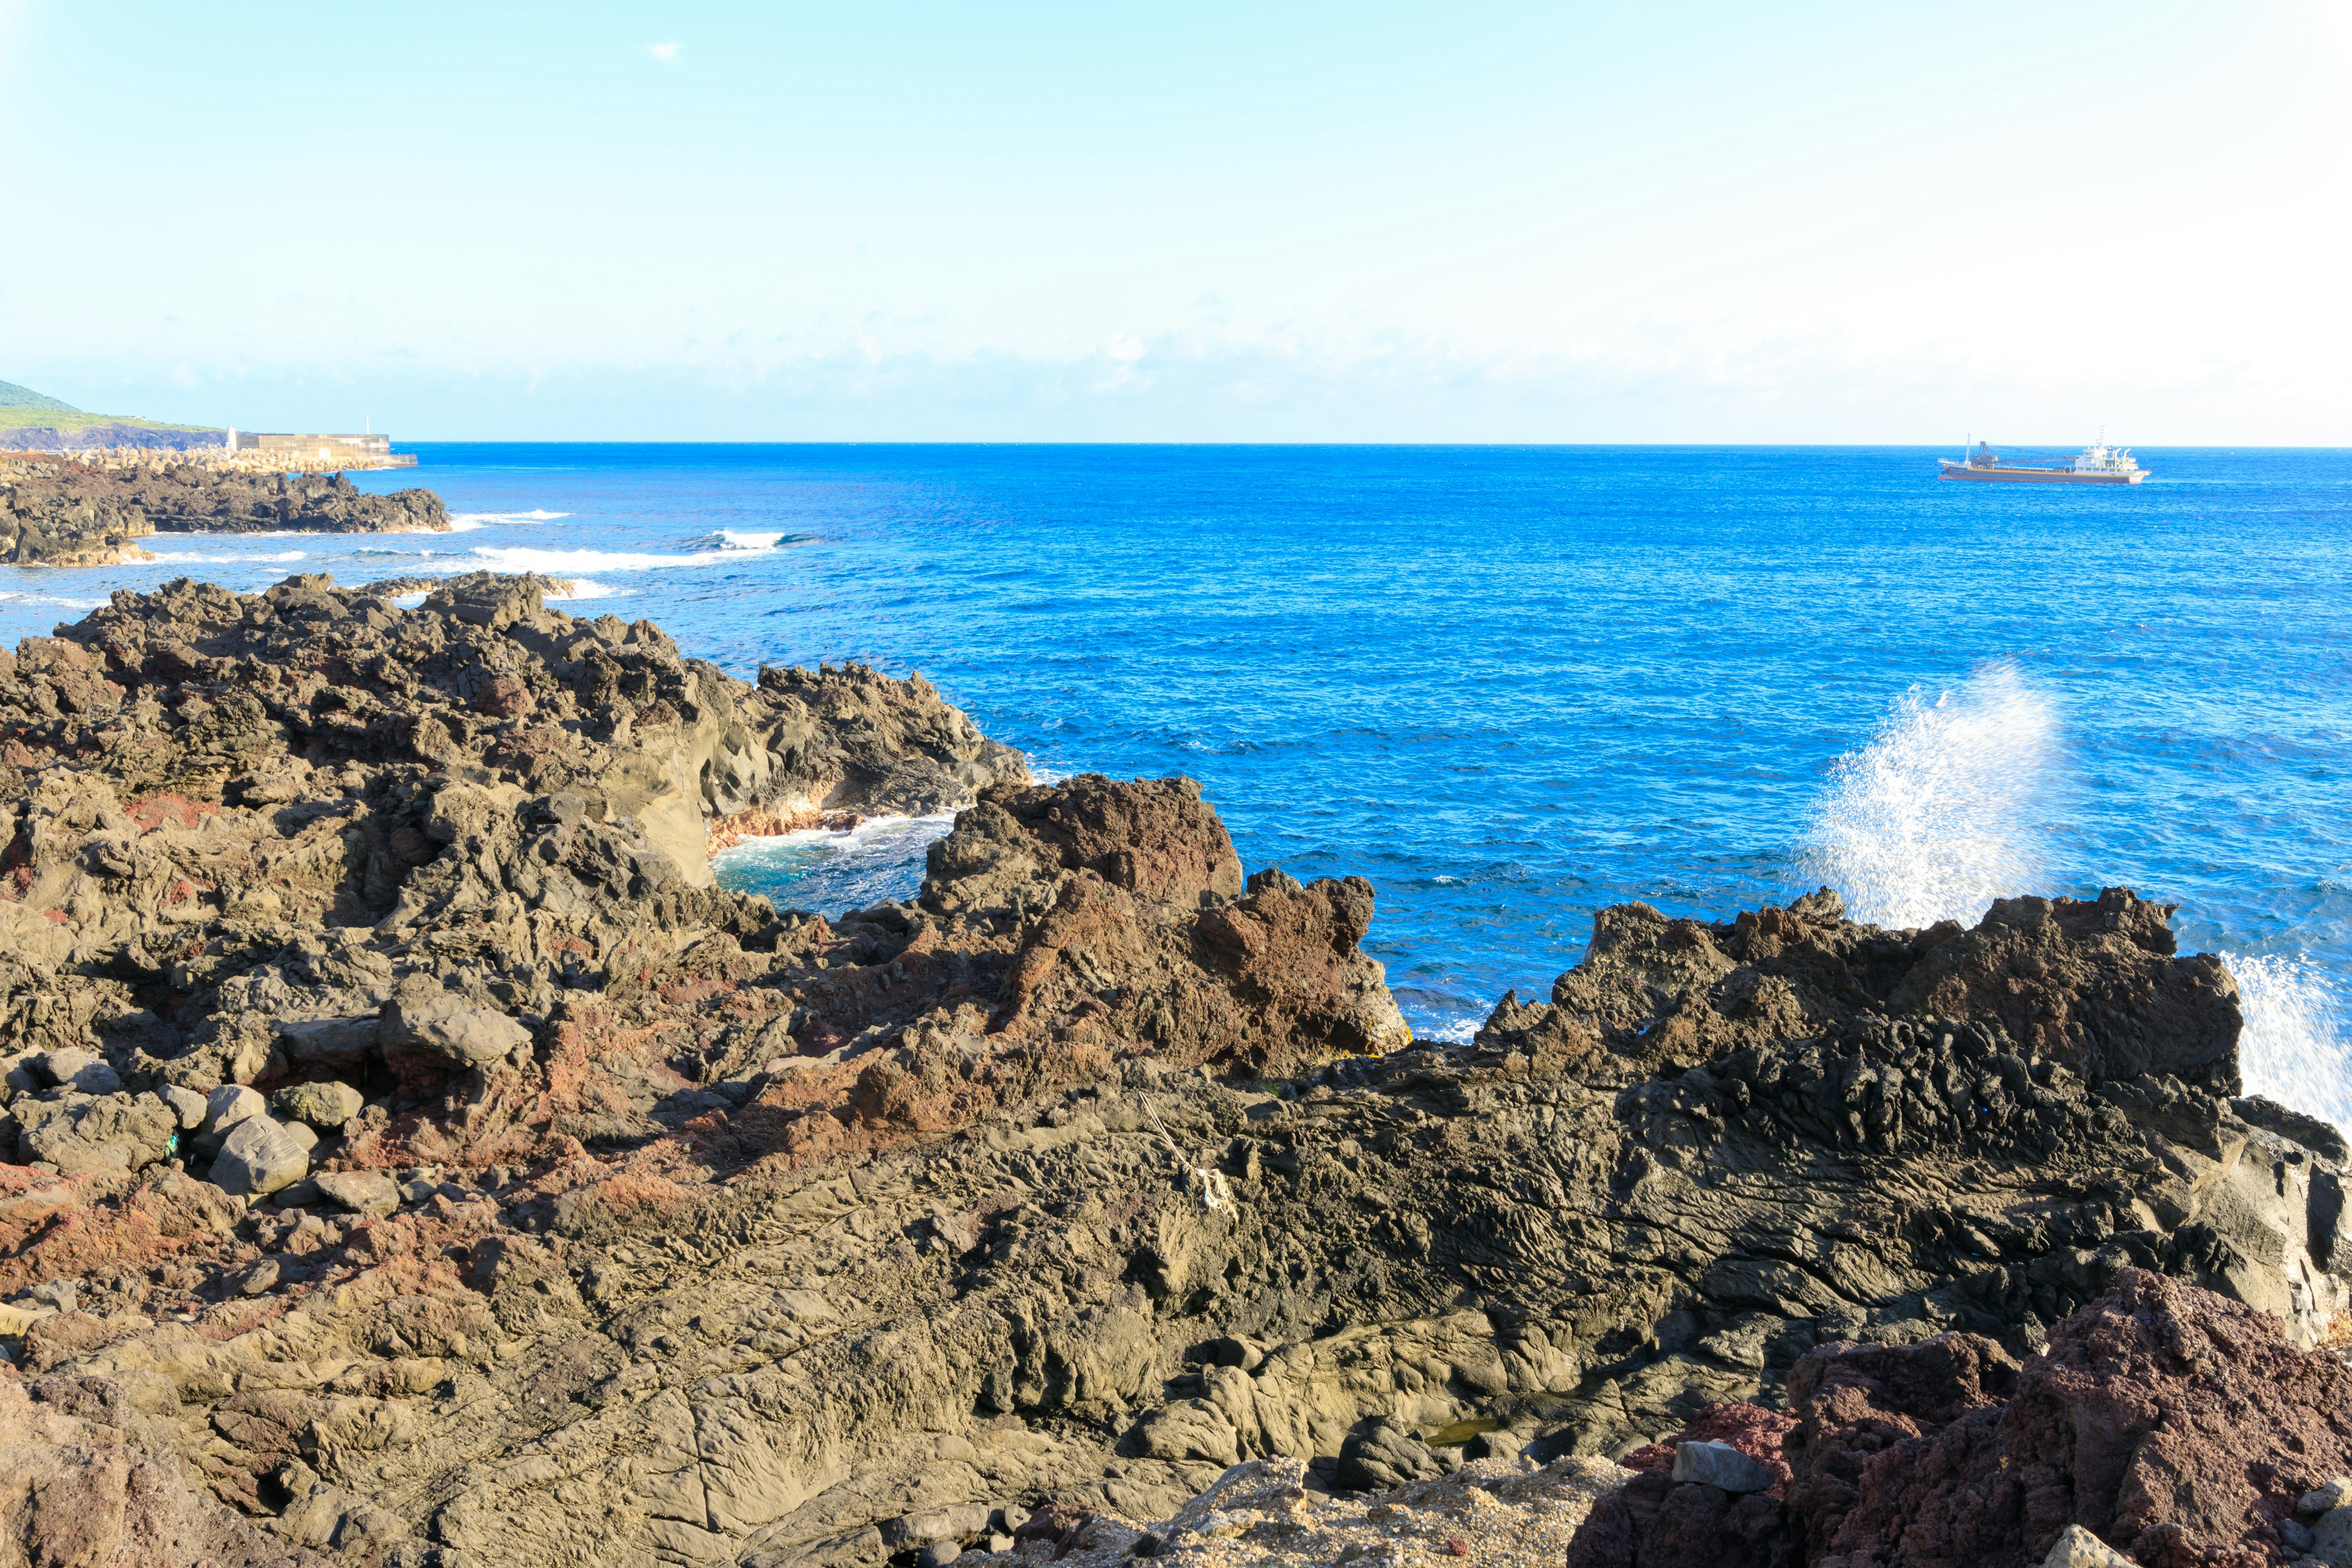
2038, 476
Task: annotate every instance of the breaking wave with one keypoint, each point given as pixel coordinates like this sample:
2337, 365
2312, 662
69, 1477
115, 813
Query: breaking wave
1938, 815
177, 557
571, 562
2294, 1048
466, 522
11, 597
737, 539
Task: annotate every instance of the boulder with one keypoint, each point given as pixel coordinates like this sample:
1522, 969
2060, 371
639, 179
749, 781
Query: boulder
81, 1132
325, 1106
2078, 1548
361, 1192
76, 1070
190, 1106
228, 1105
258, 1158
451, 1029
1386, 1454
1717, 1463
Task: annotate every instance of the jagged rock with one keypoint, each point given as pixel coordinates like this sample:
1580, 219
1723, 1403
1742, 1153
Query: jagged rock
258, 1157
89, 1478
2179, 1426
59, 513
325, 1106
743, 1232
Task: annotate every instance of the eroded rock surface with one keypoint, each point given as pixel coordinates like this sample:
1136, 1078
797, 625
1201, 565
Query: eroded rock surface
2173, 1424
56, 512
668, 1226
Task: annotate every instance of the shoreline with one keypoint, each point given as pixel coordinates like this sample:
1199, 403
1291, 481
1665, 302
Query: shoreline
459, 1037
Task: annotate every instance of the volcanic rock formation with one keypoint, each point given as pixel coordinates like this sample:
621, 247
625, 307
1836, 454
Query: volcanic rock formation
2170, 1423
55, 512
451, 1173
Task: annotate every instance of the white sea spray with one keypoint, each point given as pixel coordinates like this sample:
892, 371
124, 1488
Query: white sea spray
1941, 813
2294, 1048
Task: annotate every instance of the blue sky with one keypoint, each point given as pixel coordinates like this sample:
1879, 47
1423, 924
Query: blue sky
1202, 222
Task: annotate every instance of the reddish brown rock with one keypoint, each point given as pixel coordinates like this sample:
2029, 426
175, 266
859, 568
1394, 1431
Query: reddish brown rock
2179, 1426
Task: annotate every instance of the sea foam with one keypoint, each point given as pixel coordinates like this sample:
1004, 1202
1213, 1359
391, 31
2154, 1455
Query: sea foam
571, 562
878, 860
1939, 815
2294, 1048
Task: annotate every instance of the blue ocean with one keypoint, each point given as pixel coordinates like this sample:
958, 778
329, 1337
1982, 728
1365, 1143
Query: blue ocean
1511, 686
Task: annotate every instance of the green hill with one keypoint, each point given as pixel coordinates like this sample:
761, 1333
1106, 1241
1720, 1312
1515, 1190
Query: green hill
14, 396
22, 408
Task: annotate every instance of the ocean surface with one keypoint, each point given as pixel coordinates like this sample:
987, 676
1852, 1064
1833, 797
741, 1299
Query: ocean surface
1511, 686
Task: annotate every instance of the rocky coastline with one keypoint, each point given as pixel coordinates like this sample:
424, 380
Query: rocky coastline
414, 1158
60, 512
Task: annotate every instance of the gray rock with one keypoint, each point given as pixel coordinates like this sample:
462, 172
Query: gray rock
936, 1524
230, 1104
938, 1554
361, 1192
2078, 1548
187, 1102
301, 1133
258, 1158
2331, 1537
75, 1071
262, 1277
1720, 1465
80, 1133
338, 1045
1384, 1456
325, 1106
1009, 1518
2332, 1494
302, 1195
2295, 1534
59, 1294
450, 1027
1000, 1541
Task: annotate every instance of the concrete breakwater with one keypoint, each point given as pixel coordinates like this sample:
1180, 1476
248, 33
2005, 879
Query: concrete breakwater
292, 455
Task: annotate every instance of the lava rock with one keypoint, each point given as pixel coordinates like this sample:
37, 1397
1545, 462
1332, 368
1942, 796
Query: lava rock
1386, 1454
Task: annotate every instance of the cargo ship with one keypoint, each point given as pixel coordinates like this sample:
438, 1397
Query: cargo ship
2100, 464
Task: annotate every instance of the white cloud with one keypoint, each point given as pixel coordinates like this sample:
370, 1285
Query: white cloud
665, 53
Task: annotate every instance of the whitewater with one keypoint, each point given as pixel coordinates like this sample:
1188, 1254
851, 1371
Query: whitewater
1511, 686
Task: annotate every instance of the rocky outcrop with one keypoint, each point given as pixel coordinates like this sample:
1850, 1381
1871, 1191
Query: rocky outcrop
59, 513
659, 1223
2173, 1424
113, 434
80, 1484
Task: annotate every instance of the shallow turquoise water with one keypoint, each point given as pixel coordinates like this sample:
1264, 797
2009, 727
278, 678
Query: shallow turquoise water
1511, 686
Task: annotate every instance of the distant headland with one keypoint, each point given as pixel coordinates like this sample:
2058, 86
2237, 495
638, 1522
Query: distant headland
35, 422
